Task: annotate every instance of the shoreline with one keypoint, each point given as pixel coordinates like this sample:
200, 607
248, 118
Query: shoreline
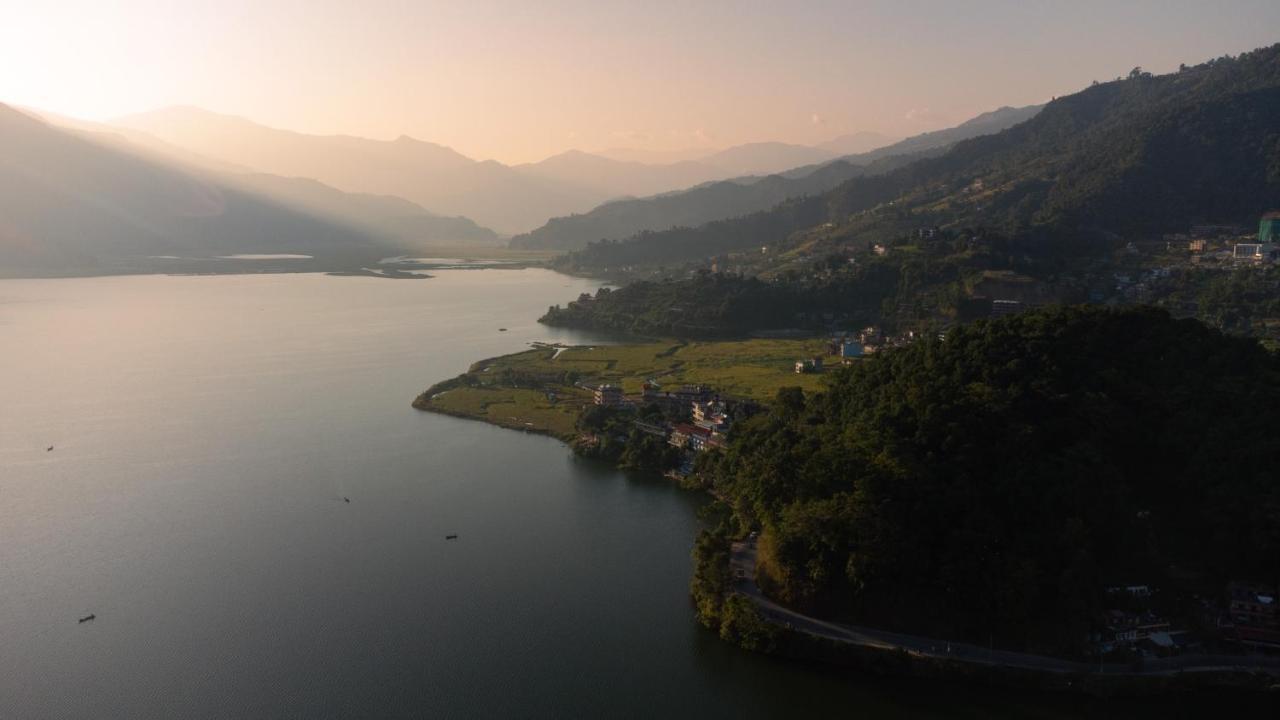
887, 653
874, 650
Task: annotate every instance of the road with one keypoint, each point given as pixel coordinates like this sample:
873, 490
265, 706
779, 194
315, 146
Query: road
743, 566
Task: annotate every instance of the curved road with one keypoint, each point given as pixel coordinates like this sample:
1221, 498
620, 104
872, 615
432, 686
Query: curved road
743, 566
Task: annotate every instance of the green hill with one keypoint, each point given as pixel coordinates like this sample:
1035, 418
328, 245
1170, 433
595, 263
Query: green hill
992, 484
1127, 159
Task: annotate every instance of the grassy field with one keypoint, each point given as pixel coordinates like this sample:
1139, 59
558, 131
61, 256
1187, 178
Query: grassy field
536, 389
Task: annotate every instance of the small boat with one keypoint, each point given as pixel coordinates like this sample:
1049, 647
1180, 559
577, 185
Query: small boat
49, 449
450, 537
87, 618
502, 329
346, 499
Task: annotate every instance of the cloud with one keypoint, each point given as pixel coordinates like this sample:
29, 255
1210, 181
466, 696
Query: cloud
925, 116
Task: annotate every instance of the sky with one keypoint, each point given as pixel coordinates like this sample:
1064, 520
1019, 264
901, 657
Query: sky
519, 81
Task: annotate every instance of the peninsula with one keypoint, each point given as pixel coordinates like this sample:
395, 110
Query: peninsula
865, 482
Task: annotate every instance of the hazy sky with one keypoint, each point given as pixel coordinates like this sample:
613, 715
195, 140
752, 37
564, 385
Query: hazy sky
517, 81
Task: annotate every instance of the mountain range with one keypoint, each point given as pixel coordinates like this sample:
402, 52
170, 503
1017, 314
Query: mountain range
508, 199
740, 196
1128, 159
74, 202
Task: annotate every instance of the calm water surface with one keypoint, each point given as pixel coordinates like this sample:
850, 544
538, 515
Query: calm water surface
205, 431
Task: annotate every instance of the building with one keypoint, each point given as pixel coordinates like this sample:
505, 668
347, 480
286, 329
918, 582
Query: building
711, 415
1269, 228
851, 349
686, 394
706, 411
608, 395
809, 365
1255, 613
690, 437
1252, 604
1198, 245
1255, 252
1000, 308
654, 429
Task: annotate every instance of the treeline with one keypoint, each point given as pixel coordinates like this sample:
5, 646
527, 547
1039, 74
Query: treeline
611, 434
681, 244
989, 486
909, 287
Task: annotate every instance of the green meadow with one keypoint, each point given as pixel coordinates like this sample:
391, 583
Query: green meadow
540, 390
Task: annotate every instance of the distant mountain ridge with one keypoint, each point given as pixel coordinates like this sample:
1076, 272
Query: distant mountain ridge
389, 217
857, 143
71, 205
433, 176
1134, 157
506, 198
725, 199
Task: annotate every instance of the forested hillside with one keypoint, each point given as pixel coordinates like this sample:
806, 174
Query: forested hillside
1125, 159
992, 484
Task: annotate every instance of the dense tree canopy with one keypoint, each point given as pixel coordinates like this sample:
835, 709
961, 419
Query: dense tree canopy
992, 483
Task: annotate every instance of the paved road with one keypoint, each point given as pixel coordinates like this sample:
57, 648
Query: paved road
743, 565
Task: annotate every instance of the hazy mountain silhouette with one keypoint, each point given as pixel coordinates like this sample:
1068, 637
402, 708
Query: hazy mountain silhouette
390, 217
71, 204
763, 158
654, 157
1129, 159
619, 178
720, 200
507, 198
856, 143
434, 176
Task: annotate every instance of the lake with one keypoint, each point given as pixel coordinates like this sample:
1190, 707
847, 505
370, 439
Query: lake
205, 432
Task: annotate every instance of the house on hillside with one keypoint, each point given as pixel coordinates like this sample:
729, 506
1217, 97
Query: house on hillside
809, 365
690, 437
1256, 253
1255, 611
711, 415
608, 396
